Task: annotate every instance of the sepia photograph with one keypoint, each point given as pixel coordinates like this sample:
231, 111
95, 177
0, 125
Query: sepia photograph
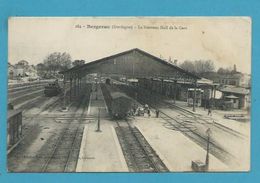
129, 94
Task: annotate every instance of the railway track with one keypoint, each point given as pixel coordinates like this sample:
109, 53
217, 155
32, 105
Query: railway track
24, 91
26, 95
64, 155
48, 107
197, 118
22, 98
23, 88
140, 156
35, 97
24, 85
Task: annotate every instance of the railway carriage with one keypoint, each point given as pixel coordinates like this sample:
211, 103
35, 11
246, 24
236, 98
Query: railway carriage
119, 104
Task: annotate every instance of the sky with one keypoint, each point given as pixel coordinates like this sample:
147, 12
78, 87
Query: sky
224, 40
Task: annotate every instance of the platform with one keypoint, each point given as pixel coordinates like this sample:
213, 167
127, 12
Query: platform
97, 102
101, 151
175, 149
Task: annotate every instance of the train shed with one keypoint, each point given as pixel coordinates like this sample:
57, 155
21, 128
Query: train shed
131, 64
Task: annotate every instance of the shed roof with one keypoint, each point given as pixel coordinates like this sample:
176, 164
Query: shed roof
231, 97
234, 89
116, 95
95, 65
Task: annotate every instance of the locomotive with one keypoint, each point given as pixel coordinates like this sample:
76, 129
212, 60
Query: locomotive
52, 89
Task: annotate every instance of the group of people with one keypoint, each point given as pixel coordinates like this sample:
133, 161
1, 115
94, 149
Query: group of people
142, 110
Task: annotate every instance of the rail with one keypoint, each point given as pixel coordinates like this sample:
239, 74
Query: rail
152, 158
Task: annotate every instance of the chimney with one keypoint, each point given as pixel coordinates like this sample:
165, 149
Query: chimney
175, 62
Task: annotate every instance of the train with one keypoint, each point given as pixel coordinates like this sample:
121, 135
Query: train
52, 89
119, 105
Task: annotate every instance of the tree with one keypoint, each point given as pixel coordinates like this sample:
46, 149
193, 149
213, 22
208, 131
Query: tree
78, 62
209, 66
41, 69
51, 62
188, 66
202, 66
65, 61
198, 66
224, 70
57, 61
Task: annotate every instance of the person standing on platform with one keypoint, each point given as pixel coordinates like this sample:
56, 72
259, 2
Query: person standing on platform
148, 112
209, 111
157, 113
146, 107
135, 108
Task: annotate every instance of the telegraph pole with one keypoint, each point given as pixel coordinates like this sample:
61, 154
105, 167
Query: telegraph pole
64, 94
208, 132
194, 96
98, 124
96, 89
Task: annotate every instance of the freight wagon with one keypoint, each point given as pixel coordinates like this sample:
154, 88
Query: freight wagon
14, 127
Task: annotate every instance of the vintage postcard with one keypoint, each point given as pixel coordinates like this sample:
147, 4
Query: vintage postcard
129, 94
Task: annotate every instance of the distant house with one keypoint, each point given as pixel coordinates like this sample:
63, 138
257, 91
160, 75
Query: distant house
22, 69
23, 62
238, 95
31, 71
11, 71
234, 78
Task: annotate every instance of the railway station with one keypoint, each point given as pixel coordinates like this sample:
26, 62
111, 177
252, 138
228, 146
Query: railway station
128, 112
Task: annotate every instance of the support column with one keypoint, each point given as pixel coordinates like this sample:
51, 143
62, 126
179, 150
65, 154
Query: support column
194, 96
80, 83
214, 96
204, 97
162, 87
78, 86
151, 86
175, 91
211, 97
70, 88
64, 92
211, 94
75, 88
